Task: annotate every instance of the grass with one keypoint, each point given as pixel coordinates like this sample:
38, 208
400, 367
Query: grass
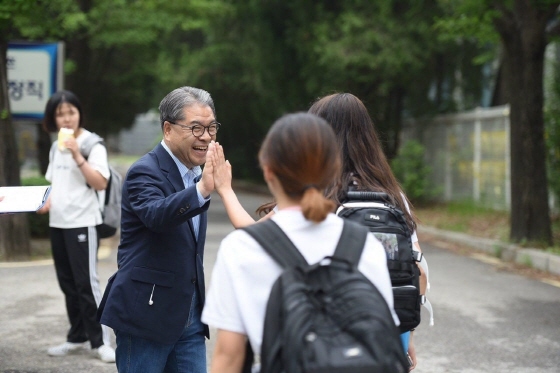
467, 217
554, 249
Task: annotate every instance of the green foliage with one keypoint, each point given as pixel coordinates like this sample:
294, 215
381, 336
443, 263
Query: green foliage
258, 59
467, 19
69, 67
112, 48
262, 59
373, 49
359, 38
242, 59
114, 64
412, 172
34, 20
38, 224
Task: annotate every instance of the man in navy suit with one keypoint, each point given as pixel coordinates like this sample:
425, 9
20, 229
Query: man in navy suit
154, 300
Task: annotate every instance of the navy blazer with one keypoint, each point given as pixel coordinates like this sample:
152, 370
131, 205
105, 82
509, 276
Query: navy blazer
159, 257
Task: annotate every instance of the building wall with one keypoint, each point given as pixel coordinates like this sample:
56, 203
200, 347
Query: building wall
141, 137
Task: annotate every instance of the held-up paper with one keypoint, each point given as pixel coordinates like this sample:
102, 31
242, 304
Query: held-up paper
23, 199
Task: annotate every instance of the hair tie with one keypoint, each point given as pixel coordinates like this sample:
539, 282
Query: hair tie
309, 186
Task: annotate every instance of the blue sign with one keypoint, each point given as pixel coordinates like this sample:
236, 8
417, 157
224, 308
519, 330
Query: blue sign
34, 74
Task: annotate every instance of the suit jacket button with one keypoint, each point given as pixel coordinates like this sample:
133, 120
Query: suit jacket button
193, 280
188, 206
182, 210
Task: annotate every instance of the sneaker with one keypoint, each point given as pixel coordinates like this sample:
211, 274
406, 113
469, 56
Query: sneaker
106, 354
66, 348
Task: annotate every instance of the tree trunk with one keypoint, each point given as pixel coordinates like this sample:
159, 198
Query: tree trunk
524, 44
43, 148
498, 98
394, 118
14, 228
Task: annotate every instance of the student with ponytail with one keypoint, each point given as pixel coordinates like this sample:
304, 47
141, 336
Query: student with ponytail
299, 158
364, 167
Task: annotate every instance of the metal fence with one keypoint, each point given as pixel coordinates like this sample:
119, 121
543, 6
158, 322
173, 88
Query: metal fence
468, 153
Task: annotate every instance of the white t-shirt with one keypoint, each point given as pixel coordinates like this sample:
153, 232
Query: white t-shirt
73, 203
243, 274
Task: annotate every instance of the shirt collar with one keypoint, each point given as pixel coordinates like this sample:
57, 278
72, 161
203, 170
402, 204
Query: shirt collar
183, 170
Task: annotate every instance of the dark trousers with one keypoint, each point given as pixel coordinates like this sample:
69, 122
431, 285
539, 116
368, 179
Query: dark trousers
75, 259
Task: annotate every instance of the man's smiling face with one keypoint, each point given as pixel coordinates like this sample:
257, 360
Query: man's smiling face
190, 150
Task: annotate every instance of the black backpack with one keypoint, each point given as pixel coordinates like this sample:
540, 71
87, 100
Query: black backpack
388, 224
325, 317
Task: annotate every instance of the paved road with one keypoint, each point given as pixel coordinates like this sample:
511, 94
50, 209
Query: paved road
487, 319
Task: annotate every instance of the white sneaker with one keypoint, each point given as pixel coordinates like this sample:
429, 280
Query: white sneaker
66, 348
106, 354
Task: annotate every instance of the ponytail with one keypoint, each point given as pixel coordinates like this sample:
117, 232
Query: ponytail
315, 206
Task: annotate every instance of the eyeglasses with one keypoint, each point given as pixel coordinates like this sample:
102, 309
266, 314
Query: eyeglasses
198, 129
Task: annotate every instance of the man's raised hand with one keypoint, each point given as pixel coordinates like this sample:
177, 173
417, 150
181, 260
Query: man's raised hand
206, 183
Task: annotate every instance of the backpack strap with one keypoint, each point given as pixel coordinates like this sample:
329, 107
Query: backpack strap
89, 143
275, 242
351, 242
424, 300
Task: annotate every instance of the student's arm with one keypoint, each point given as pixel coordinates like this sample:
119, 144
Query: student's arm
423, 276
229, 352
93, 177
238, 216
412, 351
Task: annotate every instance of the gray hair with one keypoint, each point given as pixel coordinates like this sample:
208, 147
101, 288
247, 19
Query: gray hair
171, 108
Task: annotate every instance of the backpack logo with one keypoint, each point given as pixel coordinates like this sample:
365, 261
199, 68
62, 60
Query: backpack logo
353, 352
373, 217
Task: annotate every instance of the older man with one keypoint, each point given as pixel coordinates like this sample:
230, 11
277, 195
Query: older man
154, 301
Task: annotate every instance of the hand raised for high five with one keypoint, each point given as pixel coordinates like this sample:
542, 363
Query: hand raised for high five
206, 183
217, 172
222, 171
